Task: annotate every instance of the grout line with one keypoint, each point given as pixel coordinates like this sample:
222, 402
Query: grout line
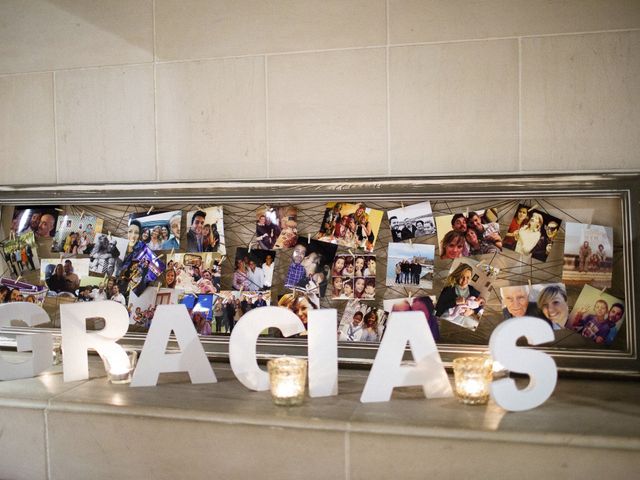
56, 160
520, 104
294, 52
266, 116
387, 52
155, 93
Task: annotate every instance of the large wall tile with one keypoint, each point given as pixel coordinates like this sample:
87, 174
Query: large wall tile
211, 119
22, 444
413, 21
27, 141
417, 458
454, 107
105, 125
140, 447
191, 29
581, 102
47, 35
327, 114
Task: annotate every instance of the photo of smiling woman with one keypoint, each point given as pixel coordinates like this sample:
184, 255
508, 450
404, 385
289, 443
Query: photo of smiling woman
552, 303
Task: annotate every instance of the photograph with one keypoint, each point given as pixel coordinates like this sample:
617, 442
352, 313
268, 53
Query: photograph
21, 253
205, 231
424, 304
194, 272
410, 265
107, 254
159, 230
353, 276
231, 305
532, 232
588, 255
253, 269
142, 308
350, 225
299, 303
75, 234
65, 275
19, 291
200, 308
276, 227
361, 323
41, 220
310, 267
547, 301
411, 222
466, 290
469, 234
138, 270
596, 315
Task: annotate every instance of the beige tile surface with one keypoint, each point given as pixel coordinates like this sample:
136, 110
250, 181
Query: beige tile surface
211, 119
47, 35
454, 107
22, 444
101, 137
327, 114
412, 21
419, 458
581, 102
192, 29
163, 448
27, 142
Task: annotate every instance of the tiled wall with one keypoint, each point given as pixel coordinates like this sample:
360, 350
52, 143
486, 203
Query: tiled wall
142, 90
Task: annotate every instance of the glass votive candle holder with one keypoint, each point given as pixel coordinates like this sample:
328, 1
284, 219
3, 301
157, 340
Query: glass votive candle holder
287, 379
472, 377
119, 374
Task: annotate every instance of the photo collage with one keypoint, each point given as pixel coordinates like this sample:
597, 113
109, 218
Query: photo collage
459, 265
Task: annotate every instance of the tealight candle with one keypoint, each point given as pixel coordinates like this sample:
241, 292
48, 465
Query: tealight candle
473, 376
121, 373
287, 378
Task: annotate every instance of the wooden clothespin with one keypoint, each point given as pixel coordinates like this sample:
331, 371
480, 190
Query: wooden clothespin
81, 215
18, 279
401, 203
172, 252
308, 238
109, 234
59, 210
249, 250
150, 209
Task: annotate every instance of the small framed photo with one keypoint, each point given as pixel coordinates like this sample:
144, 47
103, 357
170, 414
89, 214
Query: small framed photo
107, 254
469, 234
253, 269
410, 265
75, 234
19, 291
159, 231
361, 323
65, 275
424, 304
547, 301
21, 253
588, 255
597, 316
532, 232
310, 266
40, 220
351, 225
276, 227
205, 231
411, 222
193, 272
142, 308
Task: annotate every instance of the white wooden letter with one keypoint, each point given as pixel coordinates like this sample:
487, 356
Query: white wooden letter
41, 344
242, 343
76, 340
323, 352
387, 371
540, 367
154, 359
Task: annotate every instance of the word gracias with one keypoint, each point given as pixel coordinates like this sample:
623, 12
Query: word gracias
386, 373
